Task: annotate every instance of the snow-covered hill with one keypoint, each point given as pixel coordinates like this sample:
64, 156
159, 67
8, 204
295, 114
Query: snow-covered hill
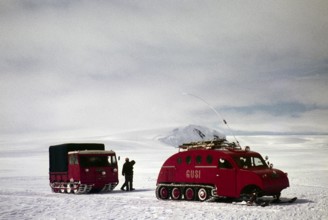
190, 133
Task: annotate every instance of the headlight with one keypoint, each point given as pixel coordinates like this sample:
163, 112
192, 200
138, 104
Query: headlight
103, 173
87, 170
274, 174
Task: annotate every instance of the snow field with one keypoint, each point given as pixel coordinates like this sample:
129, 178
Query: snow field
25, 191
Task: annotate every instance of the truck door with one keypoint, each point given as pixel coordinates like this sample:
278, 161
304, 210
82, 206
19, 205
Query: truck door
73, 167
113, 171
226, 176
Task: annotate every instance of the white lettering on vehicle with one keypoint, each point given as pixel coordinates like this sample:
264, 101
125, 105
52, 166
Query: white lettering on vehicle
193, 174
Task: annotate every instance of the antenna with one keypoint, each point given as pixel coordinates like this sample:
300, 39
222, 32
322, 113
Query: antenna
216, 112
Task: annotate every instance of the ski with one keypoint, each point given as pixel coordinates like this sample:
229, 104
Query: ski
264, 203
278, 201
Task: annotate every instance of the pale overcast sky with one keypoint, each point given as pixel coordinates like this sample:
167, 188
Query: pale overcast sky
98, 67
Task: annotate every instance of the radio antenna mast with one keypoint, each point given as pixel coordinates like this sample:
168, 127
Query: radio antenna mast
216, 112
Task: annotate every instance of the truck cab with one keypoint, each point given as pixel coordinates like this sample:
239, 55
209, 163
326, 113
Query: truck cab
82, 168
95, 167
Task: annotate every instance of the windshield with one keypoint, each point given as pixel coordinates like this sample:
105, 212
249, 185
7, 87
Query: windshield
95, 161
248, 162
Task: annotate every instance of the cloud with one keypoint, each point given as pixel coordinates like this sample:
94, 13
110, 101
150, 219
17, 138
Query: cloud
115, 65
291, 109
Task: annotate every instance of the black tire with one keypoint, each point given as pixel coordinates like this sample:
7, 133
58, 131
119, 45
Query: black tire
250, 192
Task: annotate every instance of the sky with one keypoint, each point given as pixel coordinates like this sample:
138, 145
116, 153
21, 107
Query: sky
99, 67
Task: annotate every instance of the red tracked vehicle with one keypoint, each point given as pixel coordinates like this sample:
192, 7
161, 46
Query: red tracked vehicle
82, 168
218, 169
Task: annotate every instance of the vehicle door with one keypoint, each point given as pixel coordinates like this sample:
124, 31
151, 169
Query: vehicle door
112, 170
73, 167
226, 176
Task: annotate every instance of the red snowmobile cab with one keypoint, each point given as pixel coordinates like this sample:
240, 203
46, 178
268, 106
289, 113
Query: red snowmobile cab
213, 169
81, 168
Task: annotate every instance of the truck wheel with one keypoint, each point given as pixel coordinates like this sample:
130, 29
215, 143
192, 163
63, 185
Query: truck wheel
164, 192
249, 192
176, 193
202, 194
54, 187
68, 188
62, 188
277, 196
75, 189
189, 194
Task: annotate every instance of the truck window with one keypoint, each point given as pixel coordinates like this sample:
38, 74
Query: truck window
224, 164
112, 160
188, 159
94, 161
73, 159
258, 162
209, 159
247, 162
199, 159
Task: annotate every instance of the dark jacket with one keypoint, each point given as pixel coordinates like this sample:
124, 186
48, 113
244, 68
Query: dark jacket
128, 168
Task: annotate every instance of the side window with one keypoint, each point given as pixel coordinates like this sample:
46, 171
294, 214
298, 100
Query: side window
224, 164
188, 159
114, 159
111, 160
199, 159
209, 159
73, 159
244, 162
258, 162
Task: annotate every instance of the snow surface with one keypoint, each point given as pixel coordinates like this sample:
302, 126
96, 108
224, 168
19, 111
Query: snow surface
25, 191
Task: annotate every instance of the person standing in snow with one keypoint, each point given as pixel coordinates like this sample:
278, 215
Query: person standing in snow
127, 172
124, 169
131, 177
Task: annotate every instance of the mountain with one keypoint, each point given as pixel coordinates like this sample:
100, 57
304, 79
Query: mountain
190, 133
